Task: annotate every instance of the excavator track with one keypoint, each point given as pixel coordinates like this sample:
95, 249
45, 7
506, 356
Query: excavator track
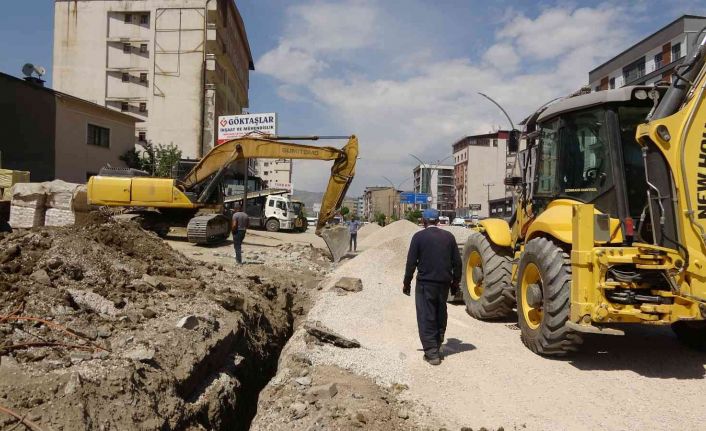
208, 229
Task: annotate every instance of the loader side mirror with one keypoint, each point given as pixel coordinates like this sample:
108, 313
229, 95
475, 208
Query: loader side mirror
513, 141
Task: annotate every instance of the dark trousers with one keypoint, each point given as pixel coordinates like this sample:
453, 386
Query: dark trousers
353, 245
430, 299
238, 237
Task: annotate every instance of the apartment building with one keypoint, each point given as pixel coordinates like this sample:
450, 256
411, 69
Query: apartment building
651, 60
438, 182
481, 163
175, 65
385, 200
275, 173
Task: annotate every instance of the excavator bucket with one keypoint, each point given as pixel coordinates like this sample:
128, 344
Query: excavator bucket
337, 240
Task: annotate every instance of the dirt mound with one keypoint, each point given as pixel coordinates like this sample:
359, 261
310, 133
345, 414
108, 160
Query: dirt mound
368, 229
391, 231
108, 314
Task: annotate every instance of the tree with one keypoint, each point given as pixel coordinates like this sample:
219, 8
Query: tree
157, 160
345, 211
413, 215
379, 218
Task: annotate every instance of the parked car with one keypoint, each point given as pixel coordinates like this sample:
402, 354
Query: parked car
458, 221
443, 221
311, 221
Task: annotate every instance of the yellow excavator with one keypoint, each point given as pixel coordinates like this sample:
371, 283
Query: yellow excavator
197, 199
610, 221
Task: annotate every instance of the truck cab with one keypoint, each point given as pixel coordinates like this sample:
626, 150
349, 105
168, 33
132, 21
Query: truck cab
268, 209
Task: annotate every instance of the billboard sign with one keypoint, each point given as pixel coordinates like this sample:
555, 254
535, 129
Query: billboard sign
414, 198
474, 207
237, 126
281, 185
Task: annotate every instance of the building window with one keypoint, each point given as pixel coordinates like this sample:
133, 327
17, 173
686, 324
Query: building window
143, 107
128, 18
611, 83
143, 77
127, 49
676, 51
634, 71
124, 106
143, 48
126, 77
99, 136
144, 19
658, 61
142, 136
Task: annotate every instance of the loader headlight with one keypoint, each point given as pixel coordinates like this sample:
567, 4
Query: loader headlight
640, 94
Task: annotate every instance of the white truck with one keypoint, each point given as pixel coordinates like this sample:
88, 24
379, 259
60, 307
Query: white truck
269, 209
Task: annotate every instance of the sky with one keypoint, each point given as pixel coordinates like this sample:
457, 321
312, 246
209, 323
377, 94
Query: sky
402, 75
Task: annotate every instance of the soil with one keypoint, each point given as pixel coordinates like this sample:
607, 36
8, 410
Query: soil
105, 326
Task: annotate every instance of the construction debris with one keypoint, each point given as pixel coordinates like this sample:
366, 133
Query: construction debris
326, 335
349, 284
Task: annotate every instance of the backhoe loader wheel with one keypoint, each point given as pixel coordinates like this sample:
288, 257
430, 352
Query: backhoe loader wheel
486, 279
543, 299
272, 225
691, 333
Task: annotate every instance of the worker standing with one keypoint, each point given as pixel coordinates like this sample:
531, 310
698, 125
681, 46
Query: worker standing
353, 227
240, 226
434, 254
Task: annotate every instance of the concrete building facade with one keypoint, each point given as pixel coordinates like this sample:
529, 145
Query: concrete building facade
176, 65
58, 136
275, 173
438, 182
385, 200
651, 60
481, 163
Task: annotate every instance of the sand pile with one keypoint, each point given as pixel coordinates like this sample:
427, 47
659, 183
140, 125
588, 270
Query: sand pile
366, 230
461, 233
393, 230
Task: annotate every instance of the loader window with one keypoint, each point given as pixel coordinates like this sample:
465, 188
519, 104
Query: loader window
585, 171
635, 185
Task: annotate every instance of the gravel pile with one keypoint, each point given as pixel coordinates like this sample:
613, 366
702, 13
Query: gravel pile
391, 231
366, 230
461, 233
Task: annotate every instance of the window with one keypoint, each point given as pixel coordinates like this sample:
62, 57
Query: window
143, 107
143, 48
127, 49
144, 19
128, 18
611, 83
143, 77
634, 70
271, 204
281, 205
676, 51
99, 136
124, 107
658, 61
126, 77
142, 136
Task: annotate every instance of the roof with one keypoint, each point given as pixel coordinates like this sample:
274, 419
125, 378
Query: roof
483, 135
645, 39
67, 96
591, 99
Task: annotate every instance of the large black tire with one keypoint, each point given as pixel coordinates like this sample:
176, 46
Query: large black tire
691, 333
487, 293
272, 225
542, 327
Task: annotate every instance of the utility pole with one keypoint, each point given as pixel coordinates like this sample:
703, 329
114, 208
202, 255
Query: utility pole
488, 186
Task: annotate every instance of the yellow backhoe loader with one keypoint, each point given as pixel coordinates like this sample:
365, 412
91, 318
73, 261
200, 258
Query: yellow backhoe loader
165, 202
610, 220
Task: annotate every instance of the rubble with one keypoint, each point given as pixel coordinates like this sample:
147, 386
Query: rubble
326, 335
349, 284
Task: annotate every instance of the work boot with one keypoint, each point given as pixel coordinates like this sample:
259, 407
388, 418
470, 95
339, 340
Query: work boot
434, 360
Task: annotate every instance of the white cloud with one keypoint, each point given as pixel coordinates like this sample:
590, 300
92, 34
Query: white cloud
429, 105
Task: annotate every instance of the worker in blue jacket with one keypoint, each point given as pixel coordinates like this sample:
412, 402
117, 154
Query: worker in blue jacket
434, 254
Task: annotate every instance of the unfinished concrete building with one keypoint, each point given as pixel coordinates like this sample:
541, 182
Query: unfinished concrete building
176, 65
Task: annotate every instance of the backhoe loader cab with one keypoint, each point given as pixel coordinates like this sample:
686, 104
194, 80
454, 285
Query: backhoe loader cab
582, 252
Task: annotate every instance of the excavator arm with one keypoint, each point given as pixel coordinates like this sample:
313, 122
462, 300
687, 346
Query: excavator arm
211, 167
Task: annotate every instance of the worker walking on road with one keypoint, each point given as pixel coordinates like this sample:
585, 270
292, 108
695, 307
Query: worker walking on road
434, 254
240, 226
353, 227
